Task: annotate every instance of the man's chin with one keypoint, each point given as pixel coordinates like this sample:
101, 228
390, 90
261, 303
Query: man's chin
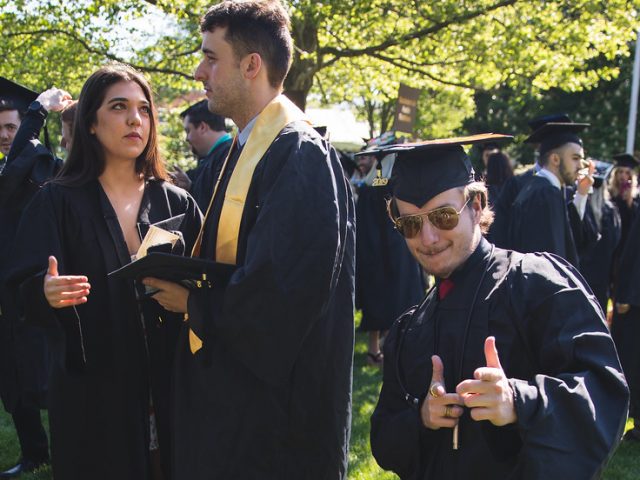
438, 271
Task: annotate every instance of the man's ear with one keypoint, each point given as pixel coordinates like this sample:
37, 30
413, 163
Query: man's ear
554, 159
476, 207
251, 65
202, 126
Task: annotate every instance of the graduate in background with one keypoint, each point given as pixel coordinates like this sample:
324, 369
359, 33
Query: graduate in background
512, 187
623, 188
388, 278
207, 136
506, 369
24, 356
499, 172
596, 260
263, 381
113, 350
541, 219
625, 327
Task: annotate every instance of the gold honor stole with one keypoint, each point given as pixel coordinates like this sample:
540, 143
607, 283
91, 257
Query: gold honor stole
279, 113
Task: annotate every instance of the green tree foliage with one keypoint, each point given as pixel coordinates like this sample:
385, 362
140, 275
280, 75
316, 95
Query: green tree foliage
605, 106
356, 51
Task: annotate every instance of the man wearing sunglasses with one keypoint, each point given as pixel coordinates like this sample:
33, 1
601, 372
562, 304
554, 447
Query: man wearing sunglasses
506, 369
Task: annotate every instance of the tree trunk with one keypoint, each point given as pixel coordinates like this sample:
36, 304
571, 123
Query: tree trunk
305, 65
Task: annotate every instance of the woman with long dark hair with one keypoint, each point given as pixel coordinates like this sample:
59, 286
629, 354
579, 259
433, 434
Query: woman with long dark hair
113, 348
499, 170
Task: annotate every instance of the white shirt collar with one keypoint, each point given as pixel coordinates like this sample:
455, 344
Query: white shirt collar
543, 172
243, 136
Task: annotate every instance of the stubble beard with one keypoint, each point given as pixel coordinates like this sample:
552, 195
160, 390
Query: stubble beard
566, 175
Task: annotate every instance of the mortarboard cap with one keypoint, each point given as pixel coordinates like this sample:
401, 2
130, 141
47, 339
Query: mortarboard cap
601, 172
16, 95
626, 160
537, 122
425, 169
602, 169
555, 134
190, 272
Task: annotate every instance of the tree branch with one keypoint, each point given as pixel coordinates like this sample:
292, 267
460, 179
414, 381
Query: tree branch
106, 54
415, 35
160, 5
397, 63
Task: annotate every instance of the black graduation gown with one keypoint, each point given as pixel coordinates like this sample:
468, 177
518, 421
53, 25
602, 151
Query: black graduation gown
388, 278
24, 356
205, 176
269, 394
539, 221
627, 218
570, 395
502, 207
104, 369
596, 260
626, 327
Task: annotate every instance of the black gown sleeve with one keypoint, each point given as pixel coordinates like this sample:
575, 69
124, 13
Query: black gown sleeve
572, 414
629, 270
585, 232
29, 164
541, 227
37, 238
395, 426
291, 267
29, 129
502, 209
39, 235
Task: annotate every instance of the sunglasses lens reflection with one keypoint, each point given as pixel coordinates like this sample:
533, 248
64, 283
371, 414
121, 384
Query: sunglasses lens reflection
409, 226
443, 219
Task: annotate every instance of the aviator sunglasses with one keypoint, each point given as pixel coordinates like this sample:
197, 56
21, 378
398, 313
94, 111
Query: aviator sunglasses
443, 218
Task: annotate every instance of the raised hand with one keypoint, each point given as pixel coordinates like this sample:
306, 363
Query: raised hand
440, 409
64, 290
585, 178
54, 99
180, 178
489, 395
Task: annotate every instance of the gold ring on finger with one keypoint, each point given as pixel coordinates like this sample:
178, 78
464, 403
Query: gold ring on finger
448, 411
433, 390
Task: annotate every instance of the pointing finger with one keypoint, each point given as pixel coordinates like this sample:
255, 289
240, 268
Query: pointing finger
53, 266
436, 387
491, 353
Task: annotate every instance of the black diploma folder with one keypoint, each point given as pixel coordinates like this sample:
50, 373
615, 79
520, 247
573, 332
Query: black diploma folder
189, 272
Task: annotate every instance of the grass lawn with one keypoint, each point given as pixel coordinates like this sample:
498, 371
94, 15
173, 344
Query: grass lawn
625, 465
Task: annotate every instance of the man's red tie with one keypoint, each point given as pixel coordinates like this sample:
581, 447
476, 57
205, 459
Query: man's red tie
445, 287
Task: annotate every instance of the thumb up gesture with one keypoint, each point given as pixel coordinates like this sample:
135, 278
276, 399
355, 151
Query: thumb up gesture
440, 409
64, 290
489, 395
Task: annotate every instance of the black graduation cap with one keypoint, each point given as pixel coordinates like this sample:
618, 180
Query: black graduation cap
555, 134
15, 94
425, 169
537, 122
626, 160
602, 169
190, 272
601, 172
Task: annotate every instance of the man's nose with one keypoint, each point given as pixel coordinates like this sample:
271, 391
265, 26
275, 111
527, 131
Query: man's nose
198, 74
428, 233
